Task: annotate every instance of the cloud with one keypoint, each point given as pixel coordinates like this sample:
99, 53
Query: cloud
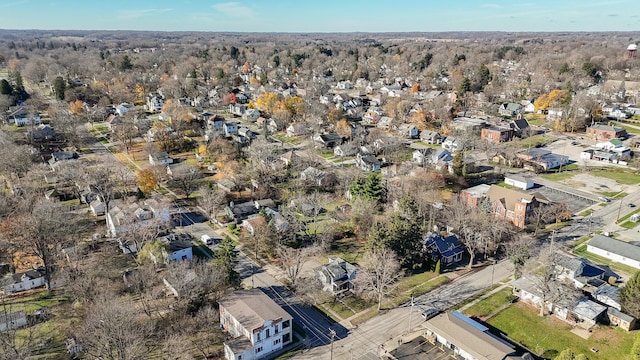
12, 4
492, 6
136, 14
233, 9
612, 15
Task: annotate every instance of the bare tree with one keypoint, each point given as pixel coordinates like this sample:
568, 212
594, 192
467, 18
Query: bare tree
292, 260
186, 180
518, 251
211, 200
112, 329
378, 273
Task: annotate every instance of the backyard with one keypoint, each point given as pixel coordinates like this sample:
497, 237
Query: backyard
548, 336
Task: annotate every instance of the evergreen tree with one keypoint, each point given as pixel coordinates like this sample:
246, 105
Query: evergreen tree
458, 163
226, 257
437, 269
630, 296
5, 87
125, 63
373, 188
59, 86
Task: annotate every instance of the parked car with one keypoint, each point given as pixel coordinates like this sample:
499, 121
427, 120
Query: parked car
209, 240
631, 205
429, 313
604, 199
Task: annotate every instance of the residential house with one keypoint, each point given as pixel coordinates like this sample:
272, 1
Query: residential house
431, 137
257, 324
528, 106
348, 149
329, 140
512, 205
237, 109
608, 295
385, 123
430, 156
42, 133
615, 250
519, 181
215, 122
155, 102
606, 132
337, 276
520, 126
289, 158
448, 249
474, 195
495, 134
408, 131
276, 220
453, 144
467, 338
175, 248
276, 125
241, 211
368, 162
541, 159
58, 156
372, 115
251, 115
161, 158
253, 223
468, 124
298, 129
588, 313
12, 320
227, 185
24, 281
22, 121
229, 128
123, 215
123, 108
526, 290
577, 270
509, 109
97, 207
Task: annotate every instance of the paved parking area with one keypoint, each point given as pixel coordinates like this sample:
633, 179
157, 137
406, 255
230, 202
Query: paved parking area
574, 203
419, 348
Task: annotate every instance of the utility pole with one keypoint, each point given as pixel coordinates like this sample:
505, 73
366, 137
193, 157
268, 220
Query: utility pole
619, 208
332, 333
410, 314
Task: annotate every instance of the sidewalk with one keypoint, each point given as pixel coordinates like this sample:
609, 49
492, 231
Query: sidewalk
504, 285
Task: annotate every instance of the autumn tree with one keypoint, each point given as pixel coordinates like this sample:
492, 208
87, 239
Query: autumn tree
76, 107
147, 180
267, 102
378, 274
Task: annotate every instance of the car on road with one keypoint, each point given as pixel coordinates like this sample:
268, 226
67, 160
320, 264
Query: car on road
604, 199
429, 313
631, 205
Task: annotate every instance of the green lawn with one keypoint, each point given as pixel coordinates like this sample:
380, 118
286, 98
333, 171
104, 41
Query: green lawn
586, 212
403, 297
628, 215
491, 304
629, 224
558, 176
631, 130
535, 141
409, 282
621, 176
548, 336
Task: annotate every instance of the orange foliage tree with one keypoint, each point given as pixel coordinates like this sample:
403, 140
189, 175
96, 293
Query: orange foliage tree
415, 88
267, 102
553, 98
76, 107
343, 128
146, 180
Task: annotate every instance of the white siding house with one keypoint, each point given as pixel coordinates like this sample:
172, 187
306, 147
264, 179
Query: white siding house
257, 325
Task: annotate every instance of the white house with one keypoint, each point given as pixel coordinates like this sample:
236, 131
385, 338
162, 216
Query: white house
521, 182
12, 320
230, 128
615, 250
25, 281
155, 103
160, 159
408, 131
257, 324
22, 121
122, 215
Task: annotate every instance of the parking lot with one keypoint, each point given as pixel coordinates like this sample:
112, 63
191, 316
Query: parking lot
420, 348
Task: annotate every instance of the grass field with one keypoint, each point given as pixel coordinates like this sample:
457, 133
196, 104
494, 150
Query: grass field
491, 304
621, 176
548, 336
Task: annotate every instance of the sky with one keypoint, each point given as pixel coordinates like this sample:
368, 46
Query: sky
322, 15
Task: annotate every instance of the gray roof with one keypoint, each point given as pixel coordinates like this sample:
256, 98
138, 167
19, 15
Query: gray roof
6, 318
620, 315
252, 308
615, 246
588, 309
469, 336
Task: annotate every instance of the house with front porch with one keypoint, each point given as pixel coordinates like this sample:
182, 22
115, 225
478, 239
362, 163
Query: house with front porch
447, 249
337, 276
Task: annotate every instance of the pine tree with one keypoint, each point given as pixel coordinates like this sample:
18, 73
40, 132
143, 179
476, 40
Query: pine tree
437, 269
59, 86
630, 296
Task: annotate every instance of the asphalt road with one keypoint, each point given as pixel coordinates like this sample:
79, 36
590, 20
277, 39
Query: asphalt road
365, 341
